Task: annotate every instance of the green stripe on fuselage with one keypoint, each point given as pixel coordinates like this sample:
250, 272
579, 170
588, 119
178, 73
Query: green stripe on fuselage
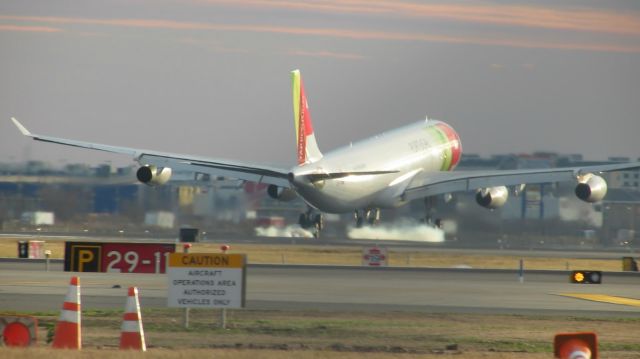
442, 141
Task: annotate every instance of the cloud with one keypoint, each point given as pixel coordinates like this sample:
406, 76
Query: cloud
208, 45
20, 28
330, 32
538, 16
335, 55
528, 66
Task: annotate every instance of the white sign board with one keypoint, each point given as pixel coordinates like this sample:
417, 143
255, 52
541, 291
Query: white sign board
375, 257
206, 280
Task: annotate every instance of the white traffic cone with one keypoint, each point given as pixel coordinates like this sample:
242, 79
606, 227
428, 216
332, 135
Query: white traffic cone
132, 334
68, 328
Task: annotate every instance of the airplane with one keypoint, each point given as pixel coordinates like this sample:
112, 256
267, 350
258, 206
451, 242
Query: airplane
412, 162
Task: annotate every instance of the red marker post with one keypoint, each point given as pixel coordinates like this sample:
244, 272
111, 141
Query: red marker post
186, 247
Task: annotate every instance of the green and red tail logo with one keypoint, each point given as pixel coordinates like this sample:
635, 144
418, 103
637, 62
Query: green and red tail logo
307, 148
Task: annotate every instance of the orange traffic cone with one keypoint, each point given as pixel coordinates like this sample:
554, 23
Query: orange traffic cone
68, 333
132, 334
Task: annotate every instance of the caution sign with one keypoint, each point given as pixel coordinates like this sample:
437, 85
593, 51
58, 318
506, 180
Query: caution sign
206, 280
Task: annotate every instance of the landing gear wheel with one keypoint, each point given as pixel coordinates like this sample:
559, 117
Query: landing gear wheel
373, 216
303, 220
368, 216
318, 221
359, 219
309, 221
429, 209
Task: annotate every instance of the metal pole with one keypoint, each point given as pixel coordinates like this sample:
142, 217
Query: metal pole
185, 316
223, 318
47, 254
521, 271
222, 322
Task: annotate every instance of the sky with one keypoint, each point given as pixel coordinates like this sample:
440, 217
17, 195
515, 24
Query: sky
211, 78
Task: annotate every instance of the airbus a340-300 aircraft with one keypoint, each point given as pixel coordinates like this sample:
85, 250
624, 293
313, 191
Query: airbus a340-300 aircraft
388, 170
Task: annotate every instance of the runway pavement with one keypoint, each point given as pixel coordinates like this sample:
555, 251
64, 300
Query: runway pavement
27, 287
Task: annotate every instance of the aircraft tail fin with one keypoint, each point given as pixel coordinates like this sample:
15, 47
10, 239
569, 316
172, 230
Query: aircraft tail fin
307, 148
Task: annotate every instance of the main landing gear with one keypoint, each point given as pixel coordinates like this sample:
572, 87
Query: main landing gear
429, 208
310, 221
371, 216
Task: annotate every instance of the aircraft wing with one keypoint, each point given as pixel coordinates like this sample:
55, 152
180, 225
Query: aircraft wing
213, 166
435, 183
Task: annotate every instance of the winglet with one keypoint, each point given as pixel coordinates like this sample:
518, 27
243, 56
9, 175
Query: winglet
20, 127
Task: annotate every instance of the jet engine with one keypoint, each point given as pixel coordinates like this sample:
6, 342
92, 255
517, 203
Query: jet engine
591, 188
492, 197
281, 193
153, 176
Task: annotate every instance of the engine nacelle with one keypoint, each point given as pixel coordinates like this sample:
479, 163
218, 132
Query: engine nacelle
492, 197
281, 193
153, 176
591, 188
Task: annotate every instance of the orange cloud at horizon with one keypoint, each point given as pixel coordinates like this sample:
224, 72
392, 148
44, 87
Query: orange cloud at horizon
330, 54
328, 32
577, 19
4, 27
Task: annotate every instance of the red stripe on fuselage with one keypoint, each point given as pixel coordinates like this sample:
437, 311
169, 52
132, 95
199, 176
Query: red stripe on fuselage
454, 140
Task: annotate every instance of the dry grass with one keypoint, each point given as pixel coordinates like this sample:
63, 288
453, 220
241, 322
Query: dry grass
241, 354
351, 255
309, 334
282, 334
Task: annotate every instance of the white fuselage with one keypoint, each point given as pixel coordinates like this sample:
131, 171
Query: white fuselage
426, 146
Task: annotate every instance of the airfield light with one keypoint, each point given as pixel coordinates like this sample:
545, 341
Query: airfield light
586, 277
186, 247
582, 345
224, 248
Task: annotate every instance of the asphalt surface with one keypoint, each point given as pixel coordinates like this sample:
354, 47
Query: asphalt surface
26, 286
